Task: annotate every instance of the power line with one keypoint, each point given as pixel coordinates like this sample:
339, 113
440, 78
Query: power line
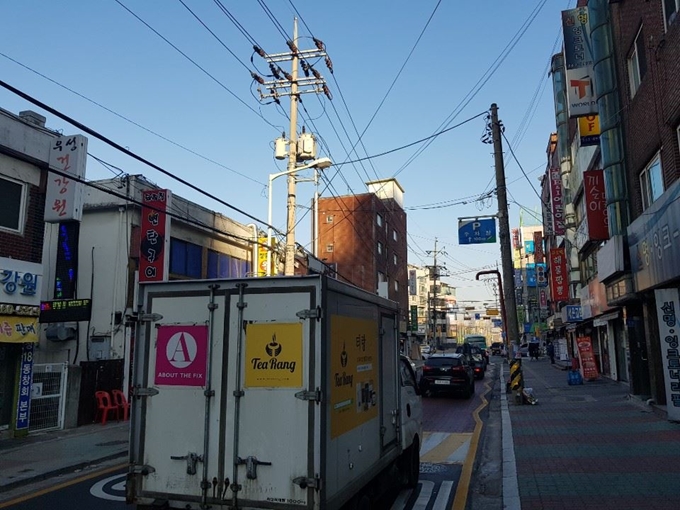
126, 119
125, 151
522, 168
207, 73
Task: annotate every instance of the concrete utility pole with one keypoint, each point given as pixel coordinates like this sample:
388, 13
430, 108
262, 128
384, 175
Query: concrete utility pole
510, 326
293, 86
434, 274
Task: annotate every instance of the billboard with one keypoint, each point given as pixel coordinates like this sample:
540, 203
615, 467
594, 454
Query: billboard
154, 246
559, 287
578, 61
557, 207
64, 194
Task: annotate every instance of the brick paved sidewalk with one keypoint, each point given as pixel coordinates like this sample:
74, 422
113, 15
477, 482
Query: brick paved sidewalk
591, 447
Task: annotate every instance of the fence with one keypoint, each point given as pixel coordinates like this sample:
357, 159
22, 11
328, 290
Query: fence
47, 396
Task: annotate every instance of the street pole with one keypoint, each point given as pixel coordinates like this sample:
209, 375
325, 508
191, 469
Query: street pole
268, 272
511, 326
289, 267
315, 208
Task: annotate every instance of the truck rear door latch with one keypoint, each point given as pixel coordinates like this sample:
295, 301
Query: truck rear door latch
306, 483
192, 459
251, 466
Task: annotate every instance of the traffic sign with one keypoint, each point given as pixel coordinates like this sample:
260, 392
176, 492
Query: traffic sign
477, 231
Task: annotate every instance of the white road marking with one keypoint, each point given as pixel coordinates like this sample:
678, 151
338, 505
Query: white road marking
97, 490
424, 496
443, 497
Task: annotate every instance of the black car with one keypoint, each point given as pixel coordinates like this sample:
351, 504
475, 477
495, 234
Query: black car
496, 348
475, 358
447, 372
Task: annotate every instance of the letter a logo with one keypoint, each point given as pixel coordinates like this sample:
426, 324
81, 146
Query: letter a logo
181, 350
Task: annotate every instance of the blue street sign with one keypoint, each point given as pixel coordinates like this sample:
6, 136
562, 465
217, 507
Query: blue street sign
477, 316
477, 231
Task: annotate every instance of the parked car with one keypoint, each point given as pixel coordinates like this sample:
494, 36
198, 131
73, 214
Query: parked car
446, 373
496, 348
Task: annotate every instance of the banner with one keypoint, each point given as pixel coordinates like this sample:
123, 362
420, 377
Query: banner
559, 287
585, 351
596, 205
578, 61
18, 329
154, 246
556, 201
667, 306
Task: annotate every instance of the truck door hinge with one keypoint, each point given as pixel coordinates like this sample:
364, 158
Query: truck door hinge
311, 313
314, 396
139, 392
306, 483
142, 469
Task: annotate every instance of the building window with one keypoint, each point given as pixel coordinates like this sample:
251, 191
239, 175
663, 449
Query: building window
11, 205
394, 257
651, 182
185, 258
379, 220
394, 235
670, 11
329, 248
396, 286
380, 248
218, 265
637, 63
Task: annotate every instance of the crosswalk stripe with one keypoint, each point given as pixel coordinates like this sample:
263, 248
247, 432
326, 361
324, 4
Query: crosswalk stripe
424, 496
443, 497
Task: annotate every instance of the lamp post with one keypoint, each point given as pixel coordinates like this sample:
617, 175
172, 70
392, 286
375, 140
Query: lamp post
320, 164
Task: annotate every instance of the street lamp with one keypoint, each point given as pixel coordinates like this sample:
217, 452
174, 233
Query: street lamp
319, 164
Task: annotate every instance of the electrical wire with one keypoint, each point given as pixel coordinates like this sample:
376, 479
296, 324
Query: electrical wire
126, 119
512, 152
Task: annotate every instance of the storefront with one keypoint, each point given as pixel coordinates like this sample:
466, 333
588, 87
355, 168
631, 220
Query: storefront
654, 246
19, 310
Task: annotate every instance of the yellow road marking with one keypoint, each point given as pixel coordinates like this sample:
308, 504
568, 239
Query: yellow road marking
62, 485
460, 499
441, 453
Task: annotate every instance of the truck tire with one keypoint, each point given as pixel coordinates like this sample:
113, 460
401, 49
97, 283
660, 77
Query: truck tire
410, 464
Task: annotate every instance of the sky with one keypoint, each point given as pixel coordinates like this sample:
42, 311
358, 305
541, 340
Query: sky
187, 102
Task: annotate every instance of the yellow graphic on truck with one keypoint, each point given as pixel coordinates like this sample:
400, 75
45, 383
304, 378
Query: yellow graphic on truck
354, 373
273, 357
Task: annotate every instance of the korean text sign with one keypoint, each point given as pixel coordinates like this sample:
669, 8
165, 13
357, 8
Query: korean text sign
25, 383
578, 61
596, 205
155, 236
559, 279
20, 282
181, 355
585, 350
64, 195
667, 308
556, 201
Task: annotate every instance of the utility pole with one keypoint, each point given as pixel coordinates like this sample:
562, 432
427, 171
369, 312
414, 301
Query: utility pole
511, 326
292, 85
434, 275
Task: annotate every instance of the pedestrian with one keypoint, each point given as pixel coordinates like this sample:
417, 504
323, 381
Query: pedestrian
550, 349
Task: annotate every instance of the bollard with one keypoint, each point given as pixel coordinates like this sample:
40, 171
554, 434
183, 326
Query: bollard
516, 379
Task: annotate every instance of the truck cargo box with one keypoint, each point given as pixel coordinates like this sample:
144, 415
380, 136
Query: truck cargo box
278, 393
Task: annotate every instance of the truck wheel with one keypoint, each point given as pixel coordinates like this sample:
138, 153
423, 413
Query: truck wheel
410, 466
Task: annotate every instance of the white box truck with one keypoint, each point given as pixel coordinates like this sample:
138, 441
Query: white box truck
279, 393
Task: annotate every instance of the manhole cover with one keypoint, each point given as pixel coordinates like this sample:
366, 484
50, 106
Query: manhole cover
113, 443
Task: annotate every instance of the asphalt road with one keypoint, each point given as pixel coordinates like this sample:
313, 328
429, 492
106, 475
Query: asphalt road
452, 433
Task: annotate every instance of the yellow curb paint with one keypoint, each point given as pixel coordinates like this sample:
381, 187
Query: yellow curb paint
440, 453
460, 499
62, 485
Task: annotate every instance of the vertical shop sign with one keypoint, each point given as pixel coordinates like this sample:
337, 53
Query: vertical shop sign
557, 208
578, 61
558, 275
596, 205
154, 245
585, 351
539, 254
25, 383
64, 194
667, 306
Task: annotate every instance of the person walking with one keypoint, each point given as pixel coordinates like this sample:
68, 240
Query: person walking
550, 349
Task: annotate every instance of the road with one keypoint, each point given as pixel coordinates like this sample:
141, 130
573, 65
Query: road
451, 434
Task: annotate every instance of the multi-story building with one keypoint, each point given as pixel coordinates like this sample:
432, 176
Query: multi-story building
619, 237
364, 237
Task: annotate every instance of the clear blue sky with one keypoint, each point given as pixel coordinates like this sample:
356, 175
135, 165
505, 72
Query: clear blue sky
101, 51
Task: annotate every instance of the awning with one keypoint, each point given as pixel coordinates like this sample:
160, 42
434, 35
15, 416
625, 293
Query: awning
18, 330
602, 320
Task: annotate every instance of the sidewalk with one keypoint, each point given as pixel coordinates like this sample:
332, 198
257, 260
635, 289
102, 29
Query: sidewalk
591, 446
43, 455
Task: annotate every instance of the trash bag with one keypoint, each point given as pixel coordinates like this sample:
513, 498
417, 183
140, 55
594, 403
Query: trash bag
528, 396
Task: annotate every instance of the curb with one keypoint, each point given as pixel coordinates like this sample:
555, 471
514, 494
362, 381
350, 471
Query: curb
60, 471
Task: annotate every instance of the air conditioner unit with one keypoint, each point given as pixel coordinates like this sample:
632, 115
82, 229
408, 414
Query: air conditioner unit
59, 332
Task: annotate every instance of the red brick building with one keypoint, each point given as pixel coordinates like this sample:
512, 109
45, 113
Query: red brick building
364, 236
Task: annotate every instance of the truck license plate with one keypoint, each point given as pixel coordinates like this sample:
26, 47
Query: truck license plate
441, 381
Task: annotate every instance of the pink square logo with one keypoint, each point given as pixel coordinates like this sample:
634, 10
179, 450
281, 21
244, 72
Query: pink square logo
181, 355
